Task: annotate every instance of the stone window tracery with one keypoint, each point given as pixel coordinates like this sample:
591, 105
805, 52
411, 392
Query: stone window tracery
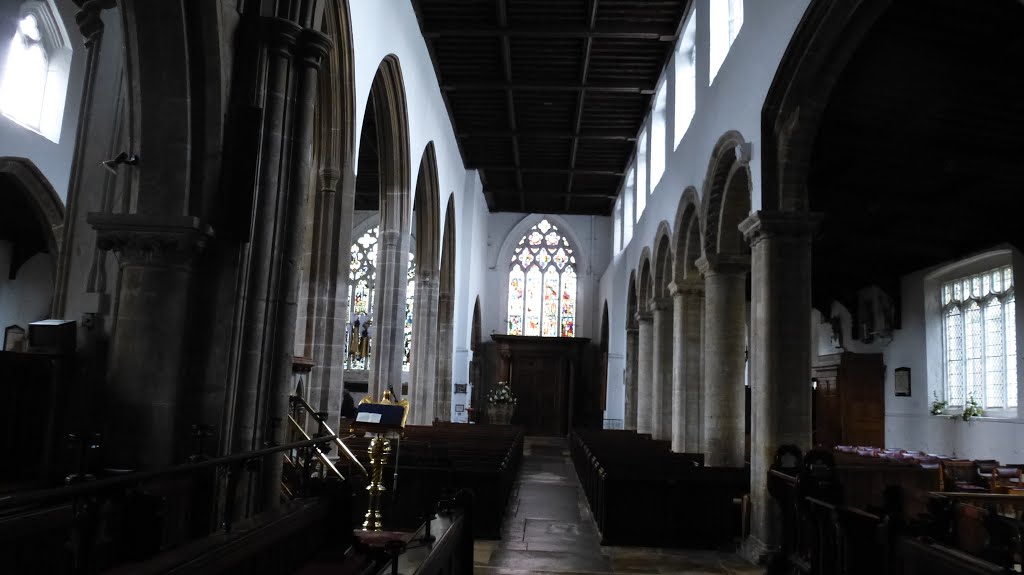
542, 284
980, 334
362, 297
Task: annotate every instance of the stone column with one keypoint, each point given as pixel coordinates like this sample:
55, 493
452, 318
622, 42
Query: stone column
311, 49
632, 340
661, 396
780, 355
423, 368
147, 350
724, 346
388, 345
687, 399
645, 373
445, 351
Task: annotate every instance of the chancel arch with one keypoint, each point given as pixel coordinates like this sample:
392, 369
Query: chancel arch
446, 317
687, 292
645, 346
423, 354
662, 316
725, 265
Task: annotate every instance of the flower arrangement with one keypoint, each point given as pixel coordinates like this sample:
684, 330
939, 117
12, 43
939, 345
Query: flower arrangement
501, 394
938, 406
972, 409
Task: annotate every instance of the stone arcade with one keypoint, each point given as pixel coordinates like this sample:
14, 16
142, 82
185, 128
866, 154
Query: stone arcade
229, 209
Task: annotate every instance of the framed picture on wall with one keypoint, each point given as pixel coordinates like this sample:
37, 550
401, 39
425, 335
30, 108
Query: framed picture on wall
460, 388
14, 338
902, 382
459, 408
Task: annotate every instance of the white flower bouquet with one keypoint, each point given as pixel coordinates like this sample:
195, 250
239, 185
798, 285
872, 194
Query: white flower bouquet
501, 395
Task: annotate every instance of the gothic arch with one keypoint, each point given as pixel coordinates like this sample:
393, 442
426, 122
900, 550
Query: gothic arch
726, 198
35, 190
687, 240
446, 316
818, 51
631, 301
423, 355
388, 93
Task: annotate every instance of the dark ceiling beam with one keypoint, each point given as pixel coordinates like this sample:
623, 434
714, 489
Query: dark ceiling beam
615, 88
560, 32
588, 45
551, 193
527, 170
510, 105
613, 135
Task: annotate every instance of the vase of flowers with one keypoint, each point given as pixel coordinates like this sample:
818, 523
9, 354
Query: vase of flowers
972, 409
500, 404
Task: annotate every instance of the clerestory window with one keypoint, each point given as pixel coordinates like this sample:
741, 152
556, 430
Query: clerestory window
34, 83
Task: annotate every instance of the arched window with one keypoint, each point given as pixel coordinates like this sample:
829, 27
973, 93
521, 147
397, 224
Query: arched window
542, 284
980, 328
362, 297
35, 73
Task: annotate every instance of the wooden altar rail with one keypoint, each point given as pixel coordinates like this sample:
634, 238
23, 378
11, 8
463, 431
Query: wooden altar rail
957, 533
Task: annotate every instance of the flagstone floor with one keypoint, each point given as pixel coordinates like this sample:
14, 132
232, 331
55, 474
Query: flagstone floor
548, 529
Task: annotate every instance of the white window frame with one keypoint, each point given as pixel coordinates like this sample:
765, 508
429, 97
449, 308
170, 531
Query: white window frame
642, 190
685, 104
726, 21
56, 46
659, 134
1007, 402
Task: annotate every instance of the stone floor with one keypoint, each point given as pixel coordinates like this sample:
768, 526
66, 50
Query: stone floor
548, 529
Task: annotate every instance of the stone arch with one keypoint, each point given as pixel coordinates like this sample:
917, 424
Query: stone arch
726, 198
687, 239
819, 49
446, 316
423, 355
663, 258
387, 96
644, 279
476, 330
35, 191
324, 284
631, 301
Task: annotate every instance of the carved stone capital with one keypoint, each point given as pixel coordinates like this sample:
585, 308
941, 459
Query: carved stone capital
644, 317
794, 225
329, 178
281, 35
141, 240
723, 264
632, 331
686, 289
312, 47
661, 304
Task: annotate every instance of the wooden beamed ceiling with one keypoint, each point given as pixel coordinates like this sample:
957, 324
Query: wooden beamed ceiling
547, 96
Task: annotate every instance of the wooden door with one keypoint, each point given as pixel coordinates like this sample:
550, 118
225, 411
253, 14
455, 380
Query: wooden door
538, 381
827, 416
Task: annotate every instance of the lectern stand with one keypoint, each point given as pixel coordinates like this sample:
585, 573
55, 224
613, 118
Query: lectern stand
385, 420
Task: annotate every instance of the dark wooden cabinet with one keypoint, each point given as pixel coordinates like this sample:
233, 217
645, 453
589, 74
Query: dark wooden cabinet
547, 376
849, 400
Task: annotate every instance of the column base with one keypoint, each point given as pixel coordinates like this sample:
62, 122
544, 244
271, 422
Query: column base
756, 551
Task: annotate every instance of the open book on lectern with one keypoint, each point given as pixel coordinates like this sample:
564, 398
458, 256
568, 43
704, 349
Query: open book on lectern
380, 417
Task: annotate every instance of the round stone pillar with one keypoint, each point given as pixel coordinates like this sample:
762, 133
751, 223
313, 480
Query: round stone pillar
661, 393
724, 348
632, 340
687, 400
644, 373
780, 356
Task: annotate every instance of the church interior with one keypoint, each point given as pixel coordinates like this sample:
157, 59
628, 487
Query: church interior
510, 286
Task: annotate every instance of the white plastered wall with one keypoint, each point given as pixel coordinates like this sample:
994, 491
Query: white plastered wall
732, 102
384, 27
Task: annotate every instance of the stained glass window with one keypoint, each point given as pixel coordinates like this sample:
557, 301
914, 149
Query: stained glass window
362, 297
542, 284
33, 85
981, 339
